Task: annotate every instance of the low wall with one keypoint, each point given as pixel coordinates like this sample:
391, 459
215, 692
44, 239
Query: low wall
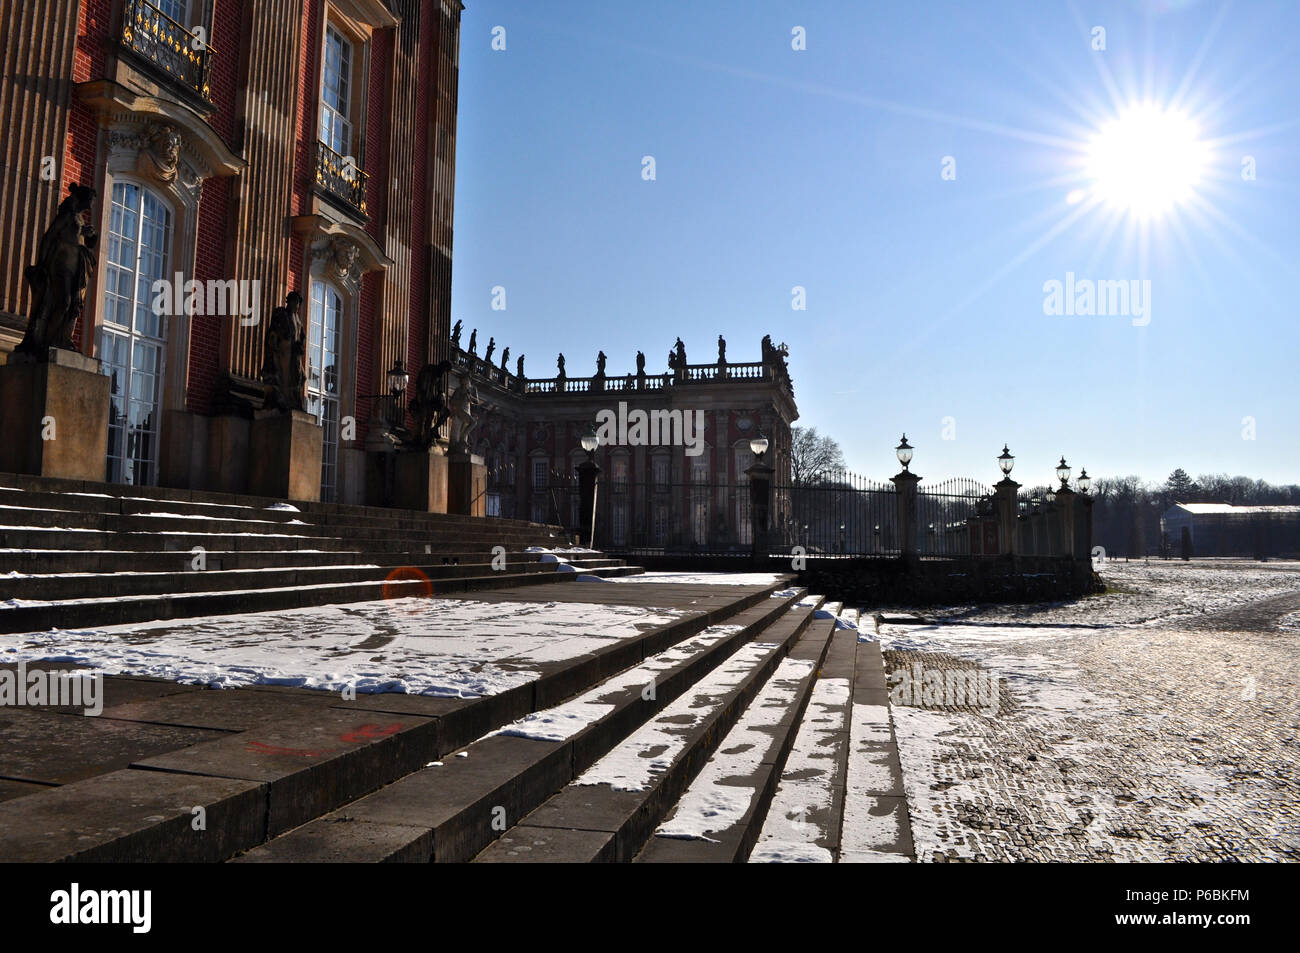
895, 581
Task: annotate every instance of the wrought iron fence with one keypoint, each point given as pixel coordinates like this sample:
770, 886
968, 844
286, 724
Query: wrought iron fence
944, 514
167, 46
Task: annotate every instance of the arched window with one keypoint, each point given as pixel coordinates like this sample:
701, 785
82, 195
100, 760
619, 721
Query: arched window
323, 333
132, 336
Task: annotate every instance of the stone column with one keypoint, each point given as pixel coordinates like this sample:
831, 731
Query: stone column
1005, 501
1065, 503
905, 499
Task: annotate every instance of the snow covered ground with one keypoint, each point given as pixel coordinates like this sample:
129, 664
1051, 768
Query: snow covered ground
421, 646
1137, 731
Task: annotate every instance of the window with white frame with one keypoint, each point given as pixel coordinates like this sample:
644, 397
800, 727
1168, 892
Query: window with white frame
336, 92
132, 336
324, 330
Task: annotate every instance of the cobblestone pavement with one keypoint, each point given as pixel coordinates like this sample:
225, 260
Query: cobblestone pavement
1160, 722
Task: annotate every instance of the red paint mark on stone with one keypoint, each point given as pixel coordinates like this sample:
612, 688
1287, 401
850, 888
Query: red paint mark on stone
263, 748
370, 732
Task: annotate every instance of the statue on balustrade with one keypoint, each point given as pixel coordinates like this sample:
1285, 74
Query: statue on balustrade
505, 358
640, 370
463, 421
455, 335
559, 362
65, 258
487, 355
681, 355
519, 368
429, 407
473, 341
722, 351
284, 357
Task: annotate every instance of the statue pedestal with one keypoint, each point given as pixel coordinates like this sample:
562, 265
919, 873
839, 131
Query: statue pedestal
466, 485
285, 455
420, 480
54, 416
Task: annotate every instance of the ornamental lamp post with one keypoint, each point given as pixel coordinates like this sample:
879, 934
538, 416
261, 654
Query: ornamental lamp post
1084, 481
905, 498
1008, 516
760, 495
587, 473
904, 452
1063, 472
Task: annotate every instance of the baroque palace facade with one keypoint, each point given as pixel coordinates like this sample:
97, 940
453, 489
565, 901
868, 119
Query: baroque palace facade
244, 151
658, 491
257, 147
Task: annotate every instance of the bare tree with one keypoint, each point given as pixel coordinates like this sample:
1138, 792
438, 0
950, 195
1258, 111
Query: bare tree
812, 455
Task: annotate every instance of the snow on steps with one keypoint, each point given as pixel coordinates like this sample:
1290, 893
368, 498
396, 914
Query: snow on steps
454, 808
304, 766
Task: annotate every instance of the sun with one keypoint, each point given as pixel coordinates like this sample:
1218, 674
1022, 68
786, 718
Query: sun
1147, 161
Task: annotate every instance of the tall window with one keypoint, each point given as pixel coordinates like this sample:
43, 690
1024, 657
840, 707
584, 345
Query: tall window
132, 336
174, 9
336, 93
323, 331
659, 468
540, 465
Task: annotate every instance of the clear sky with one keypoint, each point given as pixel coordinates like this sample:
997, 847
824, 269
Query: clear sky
925, 295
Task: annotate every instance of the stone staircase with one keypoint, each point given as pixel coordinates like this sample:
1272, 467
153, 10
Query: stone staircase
752, 727
79, 555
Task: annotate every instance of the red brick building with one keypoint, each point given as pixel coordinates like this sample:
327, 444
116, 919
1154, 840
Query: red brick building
255, 147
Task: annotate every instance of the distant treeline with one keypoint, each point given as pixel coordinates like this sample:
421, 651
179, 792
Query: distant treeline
1127, 511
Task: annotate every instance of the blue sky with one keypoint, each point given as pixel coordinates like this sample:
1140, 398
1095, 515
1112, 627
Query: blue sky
925, 297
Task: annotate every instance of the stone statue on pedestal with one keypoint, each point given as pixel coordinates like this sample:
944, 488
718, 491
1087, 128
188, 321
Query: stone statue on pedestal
519, 367
284, 358
487, 355
455, 335
429, 407
505, 358
65, 258
473, 341
722, 350
559, 363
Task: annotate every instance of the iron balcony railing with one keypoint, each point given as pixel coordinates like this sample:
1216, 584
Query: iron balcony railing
341, 178
168, 47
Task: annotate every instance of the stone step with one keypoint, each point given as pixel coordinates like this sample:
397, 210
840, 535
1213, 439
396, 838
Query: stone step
45, 538
259, 783
609, 811
450, 811
123, 498
45, 562
15, 519
840, 797
719, 816
49, 587
121, 610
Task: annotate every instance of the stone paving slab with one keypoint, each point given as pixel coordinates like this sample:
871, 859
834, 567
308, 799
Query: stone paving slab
551, 846
343, 840
229, 709
39, 745
311, 763
134, 816
12, 789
